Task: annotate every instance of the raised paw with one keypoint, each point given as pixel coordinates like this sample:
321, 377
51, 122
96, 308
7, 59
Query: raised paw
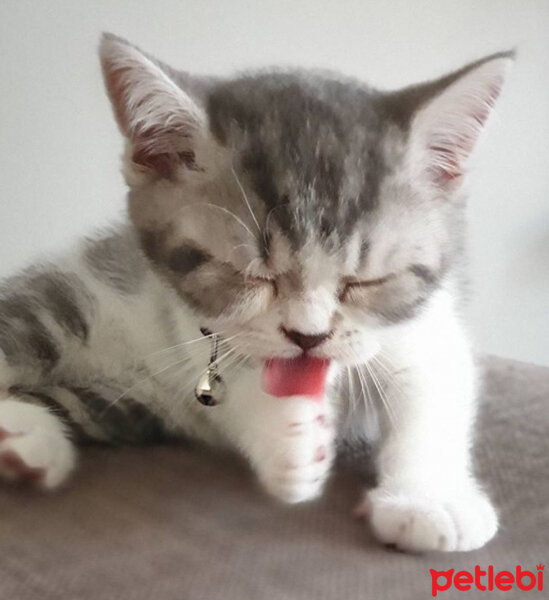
297, 451
33, 446
422, 523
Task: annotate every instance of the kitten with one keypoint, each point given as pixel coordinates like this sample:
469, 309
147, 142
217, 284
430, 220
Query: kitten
296, 215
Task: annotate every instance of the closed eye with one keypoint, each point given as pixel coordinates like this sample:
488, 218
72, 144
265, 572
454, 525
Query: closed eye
353, 285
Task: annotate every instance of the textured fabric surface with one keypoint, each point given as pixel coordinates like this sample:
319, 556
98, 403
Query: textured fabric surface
180, 523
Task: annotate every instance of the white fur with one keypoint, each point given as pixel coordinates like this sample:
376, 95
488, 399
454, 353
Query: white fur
289, 441
427, 498
38, 439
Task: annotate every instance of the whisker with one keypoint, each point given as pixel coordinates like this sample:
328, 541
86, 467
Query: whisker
268, 219
234, 365
368, 400
362, 378
141, 381
179, 210
383, 396
245, 197
186, 343
230, 213
388, 359
162, 370
190, 386
216, 362
228, 362
390, 374
354, 400
197, 355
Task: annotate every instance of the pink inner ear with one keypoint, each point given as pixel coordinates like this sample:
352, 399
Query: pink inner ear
156, 148
446, 166
164, 163
159, 148
449, 155
451, 148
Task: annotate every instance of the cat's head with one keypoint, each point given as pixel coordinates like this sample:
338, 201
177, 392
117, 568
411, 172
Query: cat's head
298, 209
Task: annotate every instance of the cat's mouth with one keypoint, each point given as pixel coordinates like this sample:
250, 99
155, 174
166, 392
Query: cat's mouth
303, 375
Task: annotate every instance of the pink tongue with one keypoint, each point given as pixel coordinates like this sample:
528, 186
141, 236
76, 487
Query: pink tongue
303, 376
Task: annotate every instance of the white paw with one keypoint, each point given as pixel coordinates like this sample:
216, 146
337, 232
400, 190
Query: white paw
33, 445
417, 522
294, 457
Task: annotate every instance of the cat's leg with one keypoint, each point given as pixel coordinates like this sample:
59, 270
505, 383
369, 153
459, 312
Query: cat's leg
35, 320
427, 497
40, 425
71, 370
289, 441
37, 430
34, 444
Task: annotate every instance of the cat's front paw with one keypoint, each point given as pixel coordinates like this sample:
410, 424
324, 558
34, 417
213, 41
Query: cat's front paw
418, 522
33, 446
297, 451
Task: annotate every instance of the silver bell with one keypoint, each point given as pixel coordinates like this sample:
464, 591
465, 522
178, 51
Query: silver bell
210, 388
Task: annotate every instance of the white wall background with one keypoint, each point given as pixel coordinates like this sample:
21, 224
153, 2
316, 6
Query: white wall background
59, 146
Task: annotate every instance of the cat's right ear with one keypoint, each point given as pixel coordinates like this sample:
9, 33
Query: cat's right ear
162, 123
450, 116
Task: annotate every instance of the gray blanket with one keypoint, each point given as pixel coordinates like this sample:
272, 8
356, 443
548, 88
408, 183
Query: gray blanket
179, 523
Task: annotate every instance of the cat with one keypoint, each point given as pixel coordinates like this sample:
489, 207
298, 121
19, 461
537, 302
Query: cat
277, 218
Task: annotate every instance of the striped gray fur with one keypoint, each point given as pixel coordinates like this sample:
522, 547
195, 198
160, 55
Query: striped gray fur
47, 398
124, 421
50, 319
29, 301
116, 259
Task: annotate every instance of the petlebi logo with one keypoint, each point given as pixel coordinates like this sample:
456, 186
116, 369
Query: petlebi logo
487, 580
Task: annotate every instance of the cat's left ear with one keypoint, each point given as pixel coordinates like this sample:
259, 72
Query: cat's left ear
451, 116
162, 122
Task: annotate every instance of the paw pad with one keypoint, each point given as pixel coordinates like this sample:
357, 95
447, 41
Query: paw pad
33, 446
321, 454
14, 465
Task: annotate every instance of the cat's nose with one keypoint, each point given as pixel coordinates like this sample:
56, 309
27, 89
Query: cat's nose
305, 340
